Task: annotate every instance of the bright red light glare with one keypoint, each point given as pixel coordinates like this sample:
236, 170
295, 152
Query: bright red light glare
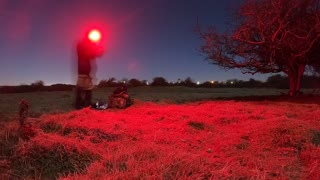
94, 35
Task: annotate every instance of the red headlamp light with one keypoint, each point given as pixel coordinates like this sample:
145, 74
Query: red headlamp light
94, 35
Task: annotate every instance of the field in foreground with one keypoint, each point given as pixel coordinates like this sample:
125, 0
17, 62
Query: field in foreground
216, 139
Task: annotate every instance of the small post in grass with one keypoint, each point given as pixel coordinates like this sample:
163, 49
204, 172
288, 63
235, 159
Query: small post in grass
23, 111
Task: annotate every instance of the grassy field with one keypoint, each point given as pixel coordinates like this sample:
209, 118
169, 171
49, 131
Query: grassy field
61, 101
168, 133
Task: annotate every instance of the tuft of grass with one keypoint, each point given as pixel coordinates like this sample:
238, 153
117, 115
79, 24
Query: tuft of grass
50, 163
172, 171
315, 137
4, 168
184, 169
97, 136
112, 167
146, 155
227, 121
104, 136
78, 130
51, 127
8, 143
288, 137
196, 125
122, 166
291, 115
66, 131
243, 145
257, 117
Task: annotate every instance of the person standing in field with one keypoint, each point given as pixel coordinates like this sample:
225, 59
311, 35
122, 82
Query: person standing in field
88, 49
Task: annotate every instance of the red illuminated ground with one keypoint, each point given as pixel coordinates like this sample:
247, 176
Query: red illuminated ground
200, 140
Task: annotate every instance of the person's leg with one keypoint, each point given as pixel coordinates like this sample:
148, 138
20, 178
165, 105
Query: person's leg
88, 98
79, 99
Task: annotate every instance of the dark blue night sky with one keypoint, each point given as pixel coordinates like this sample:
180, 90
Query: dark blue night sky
143, 39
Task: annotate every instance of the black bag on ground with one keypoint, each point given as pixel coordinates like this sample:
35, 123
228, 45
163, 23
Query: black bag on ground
120, 98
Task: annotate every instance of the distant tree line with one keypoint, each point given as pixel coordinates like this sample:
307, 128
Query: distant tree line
36, 86
275, 81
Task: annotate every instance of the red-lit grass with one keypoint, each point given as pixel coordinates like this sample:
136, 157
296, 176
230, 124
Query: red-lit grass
199, 140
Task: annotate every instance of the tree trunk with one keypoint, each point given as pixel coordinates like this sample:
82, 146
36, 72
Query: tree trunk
295, 74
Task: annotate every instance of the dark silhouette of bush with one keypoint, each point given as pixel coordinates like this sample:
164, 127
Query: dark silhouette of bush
159, 81
310, 82
135, 83
252, 83
38, 83
207, 84
108, 83
189, 82
59, 87
103, 83
277, 81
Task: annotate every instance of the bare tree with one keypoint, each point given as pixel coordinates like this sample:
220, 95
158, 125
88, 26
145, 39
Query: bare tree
269, 36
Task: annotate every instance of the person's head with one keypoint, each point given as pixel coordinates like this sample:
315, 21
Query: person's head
92, 47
